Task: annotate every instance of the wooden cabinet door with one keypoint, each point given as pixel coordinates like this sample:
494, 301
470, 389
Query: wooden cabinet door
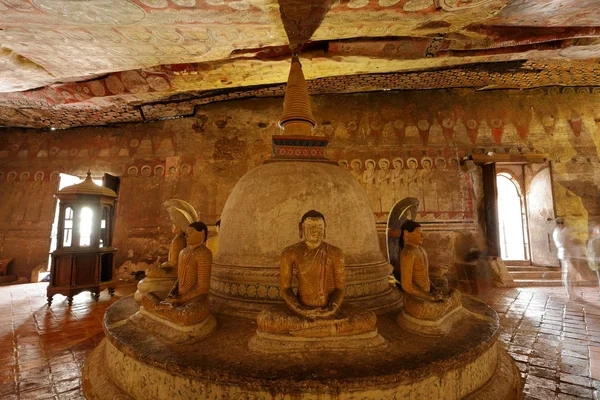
86, 269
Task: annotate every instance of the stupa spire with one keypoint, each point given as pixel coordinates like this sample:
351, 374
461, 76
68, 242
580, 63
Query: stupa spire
297, 118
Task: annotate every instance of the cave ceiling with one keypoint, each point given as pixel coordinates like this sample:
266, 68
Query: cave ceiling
66, 63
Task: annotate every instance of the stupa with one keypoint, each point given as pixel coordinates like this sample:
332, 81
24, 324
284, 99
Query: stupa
260, 219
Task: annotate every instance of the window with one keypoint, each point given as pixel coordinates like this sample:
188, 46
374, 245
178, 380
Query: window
68, 228
85, 226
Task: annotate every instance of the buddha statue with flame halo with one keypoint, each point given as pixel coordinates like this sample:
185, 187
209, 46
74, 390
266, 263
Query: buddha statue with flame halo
187, 302
426, 306
160, 279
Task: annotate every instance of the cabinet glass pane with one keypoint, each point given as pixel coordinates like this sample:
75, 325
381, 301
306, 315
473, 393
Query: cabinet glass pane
85, 227
67, 237
103, 230
68, 228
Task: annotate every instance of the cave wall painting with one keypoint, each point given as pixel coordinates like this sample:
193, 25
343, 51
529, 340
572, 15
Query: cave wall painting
394, 143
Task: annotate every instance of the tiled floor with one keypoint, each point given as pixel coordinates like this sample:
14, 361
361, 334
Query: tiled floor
42, 349
556, 344
553, 341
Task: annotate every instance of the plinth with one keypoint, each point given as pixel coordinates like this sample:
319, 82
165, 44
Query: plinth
467, 363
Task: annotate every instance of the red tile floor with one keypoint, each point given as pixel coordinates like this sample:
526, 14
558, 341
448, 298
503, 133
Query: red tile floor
556, 343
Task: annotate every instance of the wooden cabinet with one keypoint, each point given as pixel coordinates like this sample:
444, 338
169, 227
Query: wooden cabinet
84, 258
85, 270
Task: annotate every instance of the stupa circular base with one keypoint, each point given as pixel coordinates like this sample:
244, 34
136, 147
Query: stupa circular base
466, 363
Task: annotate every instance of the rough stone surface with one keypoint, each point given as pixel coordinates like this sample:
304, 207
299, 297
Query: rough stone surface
201, 158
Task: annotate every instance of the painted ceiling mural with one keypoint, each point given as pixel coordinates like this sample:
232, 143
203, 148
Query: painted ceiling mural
95, 62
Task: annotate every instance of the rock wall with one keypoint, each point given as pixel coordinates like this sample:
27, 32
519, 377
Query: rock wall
394, 143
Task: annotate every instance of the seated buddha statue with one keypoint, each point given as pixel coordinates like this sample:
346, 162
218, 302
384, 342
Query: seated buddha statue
316, 310
160, 278
187, 302
423, 300
213, 242
169, 267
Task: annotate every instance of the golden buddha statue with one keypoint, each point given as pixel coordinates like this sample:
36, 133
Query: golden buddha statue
181, 214
169, 268
161, 278
187, 302
213, 242
423, 300
316, 311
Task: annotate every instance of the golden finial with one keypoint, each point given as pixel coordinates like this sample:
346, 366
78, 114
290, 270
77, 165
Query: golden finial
297, 118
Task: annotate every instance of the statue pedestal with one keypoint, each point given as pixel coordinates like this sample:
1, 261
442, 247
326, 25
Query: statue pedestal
468, 363
269, 343
161, 285
171, 332
436, 327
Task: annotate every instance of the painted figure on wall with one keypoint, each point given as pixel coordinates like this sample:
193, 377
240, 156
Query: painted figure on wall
440, 186
386, 191
455, 181
397, 179
427, 185
443, 185
411, 176
356, 167
370, 185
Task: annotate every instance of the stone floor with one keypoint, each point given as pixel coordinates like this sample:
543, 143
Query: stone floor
556, 343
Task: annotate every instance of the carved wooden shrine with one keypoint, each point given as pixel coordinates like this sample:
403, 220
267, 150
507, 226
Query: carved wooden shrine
84, 257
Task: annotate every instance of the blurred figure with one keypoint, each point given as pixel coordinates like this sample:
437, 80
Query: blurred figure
565, 245
593, 251
474, 273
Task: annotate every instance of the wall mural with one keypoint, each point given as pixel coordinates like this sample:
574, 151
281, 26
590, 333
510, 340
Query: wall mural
444, 191
378, 138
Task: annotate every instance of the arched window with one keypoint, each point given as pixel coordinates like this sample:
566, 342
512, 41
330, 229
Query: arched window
511, 219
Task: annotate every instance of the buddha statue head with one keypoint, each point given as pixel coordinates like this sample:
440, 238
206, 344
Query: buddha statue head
196, 233
411, 233
312, 228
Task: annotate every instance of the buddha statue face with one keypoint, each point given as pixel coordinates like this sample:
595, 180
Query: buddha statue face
313, 230
194, 237
415, 237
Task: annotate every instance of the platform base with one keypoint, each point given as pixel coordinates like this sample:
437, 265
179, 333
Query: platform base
437, 327
468, 363
269, 343
171, 332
